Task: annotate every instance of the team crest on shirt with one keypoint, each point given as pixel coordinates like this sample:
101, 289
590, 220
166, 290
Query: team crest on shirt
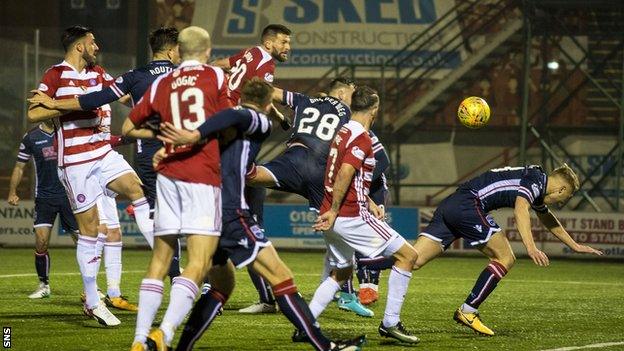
490, 220
478, 227
268, 77
357, 152
257, 232
81, 198
43, 87
535, 189
92, 82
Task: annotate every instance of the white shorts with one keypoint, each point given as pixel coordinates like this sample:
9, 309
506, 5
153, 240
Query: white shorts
107, 211
367, 235
85, 182
186, 208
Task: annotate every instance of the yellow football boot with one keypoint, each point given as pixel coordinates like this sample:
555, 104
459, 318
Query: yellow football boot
137, 346
156, 341
120, 303
472, 321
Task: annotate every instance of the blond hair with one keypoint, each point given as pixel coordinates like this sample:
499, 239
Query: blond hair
194, 41
566, 173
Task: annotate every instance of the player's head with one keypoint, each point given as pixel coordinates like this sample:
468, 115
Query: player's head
562, 184
194, 44
365, 104
257, 93
164, 43
276, 39
341, 88
80, 40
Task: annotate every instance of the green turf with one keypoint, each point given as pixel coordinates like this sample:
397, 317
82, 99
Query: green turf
570, 303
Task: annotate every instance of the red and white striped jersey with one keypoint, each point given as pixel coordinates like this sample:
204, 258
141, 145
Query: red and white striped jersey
352, 144
83, 135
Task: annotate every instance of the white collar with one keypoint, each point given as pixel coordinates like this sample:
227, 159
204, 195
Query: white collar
190, 63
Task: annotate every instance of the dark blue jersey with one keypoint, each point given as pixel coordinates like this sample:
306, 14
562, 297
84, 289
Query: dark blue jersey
498, 188
239, 146
134, 82
316, 121
39, 145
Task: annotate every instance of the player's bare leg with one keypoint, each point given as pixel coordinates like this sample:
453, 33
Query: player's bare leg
129, 185
42, 262
261, 177
88, 261
502, 259
184, 289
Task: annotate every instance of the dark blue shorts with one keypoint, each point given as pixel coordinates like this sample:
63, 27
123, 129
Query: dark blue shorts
46, 210
241, 239
147, 174
254, 196
300, 171
461, 216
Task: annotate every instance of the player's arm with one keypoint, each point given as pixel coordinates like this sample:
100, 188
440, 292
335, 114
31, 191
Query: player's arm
131, 130
38, 113
218, 122
222, 63
16, 179
551, 222
134, 126
523, 222
339, 191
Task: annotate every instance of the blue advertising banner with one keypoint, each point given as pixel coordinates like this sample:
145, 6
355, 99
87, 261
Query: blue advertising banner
325, 32
291, 225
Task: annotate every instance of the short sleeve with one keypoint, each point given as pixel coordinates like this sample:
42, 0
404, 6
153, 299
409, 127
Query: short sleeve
224, 95
293, 100
50, 82
356, 152
532, 188
232, 59
25, 151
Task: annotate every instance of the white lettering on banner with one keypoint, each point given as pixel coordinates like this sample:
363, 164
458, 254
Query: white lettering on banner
326, 32
602, 230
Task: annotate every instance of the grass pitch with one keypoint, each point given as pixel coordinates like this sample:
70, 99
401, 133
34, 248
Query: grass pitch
570, 303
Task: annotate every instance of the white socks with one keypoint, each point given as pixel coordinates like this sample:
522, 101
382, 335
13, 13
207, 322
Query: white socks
150, 297
323, 295
398, 281
112, 262
183, 293
142, 218
467, 308
88, 261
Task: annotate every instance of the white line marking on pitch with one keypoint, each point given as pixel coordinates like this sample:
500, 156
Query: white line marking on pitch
55, 274
592, 346
573, 282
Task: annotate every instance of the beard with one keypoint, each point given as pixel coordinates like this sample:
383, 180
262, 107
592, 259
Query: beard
89, 58
278, 56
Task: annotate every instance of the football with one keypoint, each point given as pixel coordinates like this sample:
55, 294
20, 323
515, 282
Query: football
473, 112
